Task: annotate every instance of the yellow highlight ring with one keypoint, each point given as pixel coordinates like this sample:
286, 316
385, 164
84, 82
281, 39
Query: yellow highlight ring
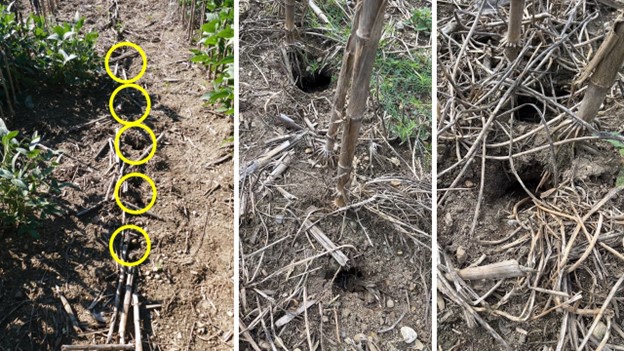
129, 227
111, 104
145, 128
118, 187
135, 47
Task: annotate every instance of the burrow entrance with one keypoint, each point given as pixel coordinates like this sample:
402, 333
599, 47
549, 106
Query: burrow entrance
348, 279
531, 109
309, 73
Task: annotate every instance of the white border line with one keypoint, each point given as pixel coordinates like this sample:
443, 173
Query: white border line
236, 299
434, 172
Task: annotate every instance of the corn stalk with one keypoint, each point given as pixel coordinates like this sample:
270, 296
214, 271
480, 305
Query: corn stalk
344, 81
514, 29
289, 49
366, 38
602, 71
289, 20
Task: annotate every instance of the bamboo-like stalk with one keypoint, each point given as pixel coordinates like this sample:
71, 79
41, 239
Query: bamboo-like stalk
514, 29
123, 318
111, 330
289, 13
367, 38
183, 8
289, 53
603, 69
137, 322
191, 23
344, 83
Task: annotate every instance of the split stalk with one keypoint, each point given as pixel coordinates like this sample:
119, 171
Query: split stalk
366, 40
344, 81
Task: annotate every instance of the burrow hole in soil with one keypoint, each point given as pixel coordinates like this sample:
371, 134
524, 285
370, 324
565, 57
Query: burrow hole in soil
130, 104
530, 175
531, 109
348, 279
310, 81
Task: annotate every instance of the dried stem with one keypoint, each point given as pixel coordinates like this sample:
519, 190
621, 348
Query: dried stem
289, 23
126, 307
137, 322
344, 82
605, 66
514, 30
366, 42
122, 275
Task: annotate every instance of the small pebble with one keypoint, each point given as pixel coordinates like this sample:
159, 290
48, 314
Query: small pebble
390, 303
409, 335
600, 331
279, 219
461, 255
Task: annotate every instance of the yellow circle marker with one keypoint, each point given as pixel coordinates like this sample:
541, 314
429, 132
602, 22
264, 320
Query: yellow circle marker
111, 104
129, 227
135, 47
118, 187
145, 128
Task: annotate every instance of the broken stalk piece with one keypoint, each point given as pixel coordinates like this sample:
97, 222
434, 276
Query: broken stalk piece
602, 71
498, 270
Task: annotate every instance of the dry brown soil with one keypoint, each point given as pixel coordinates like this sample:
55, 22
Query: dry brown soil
188, 275
283, 267
593, 171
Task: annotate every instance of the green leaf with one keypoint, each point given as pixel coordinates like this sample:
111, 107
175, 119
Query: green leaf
11, 135
619, 182
19, 183
6, 174
68, 35
226, 33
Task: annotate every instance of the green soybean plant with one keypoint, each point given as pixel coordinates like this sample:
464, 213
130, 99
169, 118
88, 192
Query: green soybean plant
216, 53
27, 185
421, 19
38, 53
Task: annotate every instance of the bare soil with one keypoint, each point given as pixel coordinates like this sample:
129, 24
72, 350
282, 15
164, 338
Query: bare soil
518, 223
186, 284
283, 269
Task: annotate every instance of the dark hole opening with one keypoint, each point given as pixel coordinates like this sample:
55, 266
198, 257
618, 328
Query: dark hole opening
531, 108
309, 81
349, 279
312, 82
130, 104
530, 176
527, 111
